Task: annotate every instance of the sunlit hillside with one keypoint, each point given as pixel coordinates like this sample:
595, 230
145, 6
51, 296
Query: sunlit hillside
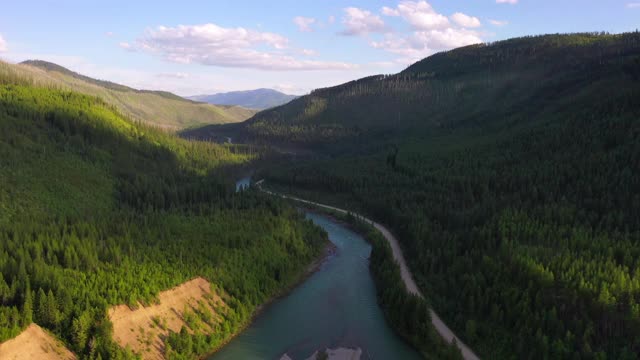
153, 107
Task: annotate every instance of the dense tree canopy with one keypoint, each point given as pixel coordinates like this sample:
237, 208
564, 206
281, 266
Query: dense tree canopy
510, 173
97, 211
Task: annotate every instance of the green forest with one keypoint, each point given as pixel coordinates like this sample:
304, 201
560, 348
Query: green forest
508, 170
491, 86
510, 173
97, 210
408, 313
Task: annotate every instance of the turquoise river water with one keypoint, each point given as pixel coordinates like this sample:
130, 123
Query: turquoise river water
334, 307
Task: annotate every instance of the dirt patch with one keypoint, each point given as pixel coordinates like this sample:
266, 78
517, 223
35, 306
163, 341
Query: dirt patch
144, 329
34, 343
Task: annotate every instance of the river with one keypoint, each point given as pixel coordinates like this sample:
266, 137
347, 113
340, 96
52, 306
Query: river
334, 307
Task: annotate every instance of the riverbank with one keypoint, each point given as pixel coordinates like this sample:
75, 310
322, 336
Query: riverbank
334, 308
327, 252
410, 288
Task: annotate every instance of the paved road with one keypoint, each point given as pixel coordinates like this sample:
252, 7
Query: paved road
410, 284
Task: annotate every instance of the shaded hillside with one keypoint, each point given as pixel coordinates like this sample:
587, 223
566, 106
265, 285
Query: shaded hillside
96, 211
258, 99
509, 172
483, 85
153, 107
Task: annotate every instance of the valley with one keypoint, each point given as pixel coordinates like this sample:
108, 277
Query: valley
99, 211
410, 285
478, 202
335, 307
525, 205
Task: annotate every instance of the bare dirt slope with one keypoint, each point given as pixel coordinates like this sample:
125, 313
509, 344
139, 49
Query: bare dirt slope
34, 343
145, 328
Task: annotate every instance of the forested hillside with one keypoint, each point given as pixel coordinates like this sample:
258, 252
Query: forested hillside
158, 108
486, 85
96, 210
509, 172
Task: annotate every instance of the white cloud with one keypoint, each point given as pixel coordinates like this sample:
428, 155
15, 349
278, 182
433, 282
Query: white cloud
210, 44
201, 80
421, 44
498, 22
446, 39
432, 32
633, 5
308, 52
331, 19
3, 44
382, 64
419, 14
304, 23
177, 75
126, 46
389, 11
512, 2
361, 22
289, 88
466, 20
109, 33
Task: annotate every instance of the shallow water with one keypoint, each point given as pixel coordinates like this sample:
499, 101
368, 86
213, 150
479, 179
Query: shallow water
335, 307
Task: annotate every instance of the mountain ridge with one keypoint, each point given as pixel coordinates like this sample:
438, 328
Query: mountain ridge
100, 194
457, 88
259, 99
158, 108
503, 168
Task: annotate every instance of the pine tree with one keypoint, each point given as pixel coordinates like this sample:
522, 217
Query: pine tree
80, 330
53, 315
27, 308
41, 309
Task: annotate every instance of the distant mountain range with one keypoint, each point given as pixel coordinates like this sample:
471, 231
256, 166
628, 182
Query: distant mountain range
258, 99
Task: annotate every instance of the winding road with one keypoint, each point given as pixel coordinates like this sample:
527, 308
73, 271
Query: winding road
410, 284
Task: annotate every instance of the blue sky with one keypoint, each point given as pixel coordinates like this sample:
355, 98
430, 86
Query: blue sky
195, 47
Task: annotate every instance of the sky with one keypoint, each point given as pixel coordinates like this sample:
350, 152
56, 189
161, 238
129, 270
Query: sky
194, 47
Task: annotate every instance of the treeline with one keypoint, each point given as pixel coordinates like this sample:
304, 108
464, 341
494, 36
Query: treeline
96, 211
408, 314
65, 275
475, 86
537, 231
520, 223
